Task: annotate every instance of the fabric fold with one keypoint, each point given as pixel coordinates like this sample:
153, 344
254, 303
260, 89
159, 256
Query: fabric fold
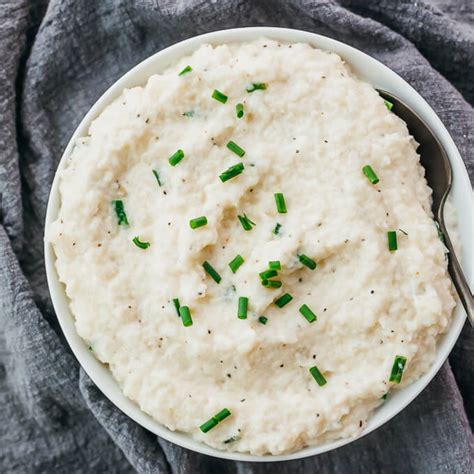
58, 57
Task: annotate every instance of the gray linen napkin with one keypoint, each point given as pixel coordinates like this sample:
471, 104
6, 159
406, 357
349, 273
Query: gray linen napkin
57, 58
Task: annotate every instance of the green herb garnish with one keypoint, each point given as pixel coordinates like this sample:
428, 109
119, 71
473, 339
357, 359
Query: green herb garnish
231, 172
440, 233
211, 272
185, 316
242, 308
280, 203
176, 157
218, 95
198, 222
392, 240
246, 222
120, 211
271, 283
140, 244
263, 319
308, 262
318, 376
277, 228
239, 110
232, 146
157, 176
216, 419
236, 263
208, 425
370, 173
185, 70
176, 305
268, 274
307, 313
397, 369
256, 86
283, 300
274, 265
388, 104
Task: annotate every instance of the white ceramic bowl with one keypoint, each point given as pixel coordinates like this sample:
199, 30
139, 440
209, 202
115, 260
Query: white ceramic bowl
368, 69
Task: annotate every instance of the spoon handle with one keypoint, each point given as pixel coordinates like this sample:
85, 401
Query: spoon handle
457, 275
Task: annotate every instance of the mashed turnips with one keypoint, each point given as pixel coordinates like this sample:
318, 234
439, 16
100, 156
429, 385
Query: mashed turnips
247, 242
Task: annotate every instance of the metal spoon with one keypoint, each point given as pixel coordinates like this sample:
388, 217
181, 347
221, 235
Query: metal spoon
439, 176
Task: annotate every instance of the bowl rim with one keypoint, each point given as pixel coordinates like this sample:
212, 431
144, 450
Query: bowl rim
369, 69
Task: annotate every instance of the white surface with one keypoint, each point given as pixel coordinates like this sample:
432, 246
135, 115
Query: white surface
368, 69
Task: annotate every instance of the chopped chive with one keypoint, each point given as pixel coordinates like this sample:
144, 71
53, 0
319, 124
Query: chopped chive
392, 240
441, 238
384, 396
176, 157
280, 203
239, 110
176, 305
318, 376
157, 176
140, 244
274, 265
232, 146
208, 425
218, 95
283, 300
307, 313
268, 274
256, 86
440, 232
272, 283
198, 222
231, 439
263, 319
185, 316
277, 228
370, 173
397, 369
185, 70
236, 263
120, 211
242, 309
222, 415
246, 222
388, 104
231, 172
211, 272
308, 262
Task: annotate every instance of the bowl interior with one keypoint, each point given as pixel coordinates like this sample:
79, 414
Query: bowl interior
371, 71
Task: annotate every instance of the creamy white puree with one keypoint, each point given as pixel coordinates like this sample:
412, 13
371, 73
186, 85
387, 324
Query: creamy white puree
307, 135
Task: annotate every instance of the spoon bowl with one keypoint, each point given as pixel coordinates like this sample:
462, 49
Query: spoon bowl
439, 175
